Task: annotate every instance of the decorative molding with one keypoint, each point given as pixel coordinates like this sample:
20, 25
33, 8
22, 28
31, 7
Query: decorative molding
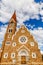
22, 31
6, 55
33, 55
10, 30
23, 40
24, 47
14, 61
0, 50
7, 42
12, 20
14, 44
23, 52
12, 55
14, 35
32, 43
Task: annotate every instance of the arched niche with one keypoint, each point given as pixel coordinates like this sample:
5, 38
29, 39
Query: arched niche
23, 54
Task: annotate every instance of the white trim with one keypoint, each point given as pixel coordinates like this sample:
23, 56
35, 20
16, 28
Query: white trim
32, 43
12, 20
6, 55
14, 61
22, 31
26, 28
14, 44
9, 29
18, 31
14, 34
24, 47
0, 50
12, 55
23, 54
8, 44
22, 38
33, 53
9, 36
9, 63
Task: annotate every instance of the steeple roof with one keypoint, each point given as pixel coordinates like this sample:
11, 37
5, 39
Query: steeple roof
14, 16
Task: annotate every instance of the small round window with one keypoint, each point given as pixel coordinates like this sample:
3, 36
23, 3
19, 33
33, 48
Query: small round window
14, 44
23, 39
22, 31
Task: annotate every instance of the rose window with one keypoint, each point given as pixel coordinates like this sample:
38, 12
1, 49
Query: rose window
23, 39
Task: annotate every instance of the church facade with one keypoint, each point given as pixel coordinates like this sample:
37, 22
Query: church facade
19, 47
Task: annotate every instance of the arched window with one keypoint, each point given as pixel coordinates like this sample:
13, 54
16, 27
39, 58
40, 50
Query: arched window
14, 44
32, 43
33, 55
11, 23
8, 43
12, 55
23, 56
5, 55
10, 30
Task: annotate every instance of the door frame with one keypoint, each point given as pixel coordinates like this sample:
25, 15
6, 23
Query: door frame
23, 59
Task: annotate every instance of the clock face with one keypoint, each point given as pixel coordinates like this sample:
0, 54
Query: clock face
23, 39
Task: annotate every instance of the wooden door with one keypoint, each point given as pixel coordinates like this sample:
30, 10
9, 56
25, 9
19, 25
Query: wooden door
23, 59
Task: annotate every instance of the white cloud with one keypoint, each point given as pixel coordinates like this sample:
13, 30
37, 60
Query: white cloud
42, 19
2, 32
25, 9
4, 16
38, 35
41, 12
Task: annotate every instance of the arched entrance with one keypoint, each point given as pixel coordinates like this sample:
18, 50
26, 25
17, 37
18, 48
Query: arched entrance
23, 56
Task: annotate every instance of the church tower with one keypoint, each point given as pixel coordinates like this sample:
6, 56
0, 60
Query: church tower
19, 46
8, 37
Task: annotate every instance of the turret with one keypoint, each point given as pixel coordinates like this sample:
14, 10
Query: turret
11, 27
8, 35
0, 53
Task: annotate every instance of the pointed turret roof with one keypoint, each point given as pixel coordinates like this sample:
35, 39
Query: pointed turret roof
14, 16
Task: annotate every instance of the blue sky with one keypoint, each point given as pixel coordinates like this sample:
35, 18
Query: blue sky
32, 22
37, 1
30, 14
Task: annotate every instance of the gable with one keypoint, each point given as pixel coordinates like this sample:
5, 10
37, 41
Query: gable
24, 37
22, 31
23, 47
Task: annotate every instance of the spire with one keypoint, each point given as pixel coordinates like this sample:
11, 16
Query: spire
14, 16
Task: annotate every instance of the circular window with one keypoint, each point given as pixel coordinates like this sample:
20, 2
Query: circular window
14, 44
23, 39
22, 31
32, 43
